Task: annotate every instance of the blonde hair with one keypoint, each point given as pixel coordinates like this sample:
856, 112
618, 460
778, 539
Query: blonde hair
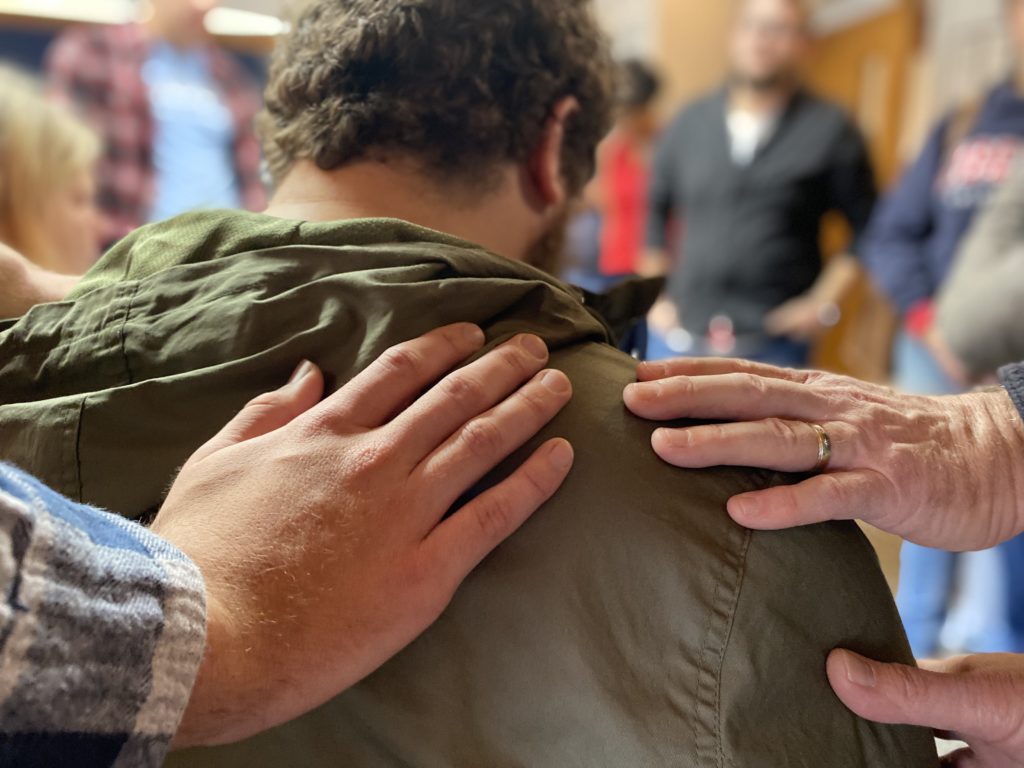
42, 148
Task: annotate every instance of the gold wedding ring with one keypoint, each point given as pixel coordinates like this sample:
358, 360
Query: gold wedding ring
824, 449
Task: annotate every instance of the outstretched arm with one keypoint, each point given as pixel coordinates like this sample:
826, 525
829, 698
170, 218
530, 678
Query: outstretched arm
23, 284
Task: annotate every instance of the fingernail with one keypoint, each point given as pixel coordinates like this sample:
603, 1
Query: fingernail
645, 391
632, 390
678, 438
652, 370
534, 346
744, 510
561, 456
305, 368
555, 382
473, 334
858, 671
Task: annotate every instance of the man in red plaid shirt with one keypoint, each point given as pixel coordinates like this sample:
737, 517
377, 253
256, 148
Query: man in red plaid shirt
176, 113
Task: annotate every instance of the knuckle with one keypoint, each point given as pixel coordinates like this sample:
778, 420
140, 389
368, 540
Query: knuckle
317, 424
463, 387
685, 388
482, 436
710, 435
367, 458
263, 402
454, 338
907, 684
754, 384
517, 361
782, 430
833, 491
430, 581
534, 403
538, 484
494, 517
962, 665
401, 360
792, 501
419, 571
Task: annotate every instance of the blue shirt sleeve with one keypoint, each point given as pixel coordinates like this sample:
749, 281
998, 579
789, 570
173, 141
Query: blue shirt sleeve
895, 247
1013, 379
102, 629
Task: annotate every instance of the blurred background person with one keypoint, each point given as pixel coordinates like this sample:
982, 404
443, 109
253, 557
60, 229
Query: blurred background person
978, 326
749, 172
625, 172
47, 181
606, 237
175, 112
978, 330
910, 250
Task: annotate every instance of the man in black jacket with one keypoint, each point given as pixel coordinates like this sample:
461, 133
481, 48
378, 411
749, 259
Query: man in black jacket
750, 171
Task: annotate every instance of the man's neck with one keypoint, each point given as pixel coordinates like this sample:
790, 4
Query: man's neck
760, 101
371, 189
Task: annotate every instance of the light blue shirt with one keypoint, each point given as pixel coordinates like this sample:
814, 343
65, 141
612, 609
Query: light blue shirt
193, 144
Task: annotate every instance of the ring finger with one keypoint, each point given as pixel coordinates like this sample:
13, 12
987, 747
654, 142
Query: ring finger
776, 444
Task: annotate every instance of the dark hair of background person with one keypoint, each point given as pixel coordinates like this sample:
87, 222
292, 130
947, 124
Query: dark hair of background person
639, 84
461, 86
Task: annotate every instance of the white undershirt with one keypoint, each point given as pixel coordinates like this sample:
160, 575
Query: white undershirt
748, 132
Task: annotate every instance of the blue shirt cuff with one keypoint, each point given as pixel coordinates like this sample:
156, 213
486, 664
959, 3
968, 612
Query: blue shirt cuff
1012, 377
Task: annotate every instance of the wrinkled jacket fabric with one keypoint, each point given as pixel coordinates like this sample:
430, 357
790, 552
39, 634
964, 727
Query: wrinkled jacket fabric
628, 623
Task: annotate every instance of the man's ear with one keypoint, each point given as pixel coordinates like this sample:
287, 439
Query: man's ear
545, 164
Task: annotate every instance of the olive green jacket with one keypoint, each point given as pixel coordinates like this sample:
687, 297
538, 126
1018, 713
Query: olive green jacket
629, 623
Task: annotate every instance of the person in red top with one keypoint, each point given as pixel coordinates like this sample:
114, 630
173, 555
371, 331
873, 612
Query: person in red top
169, 136
625, 178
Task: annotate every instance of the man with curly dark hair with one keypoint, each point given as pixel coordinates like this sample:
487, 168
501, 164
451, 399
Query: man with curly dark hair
478, 101
425, 153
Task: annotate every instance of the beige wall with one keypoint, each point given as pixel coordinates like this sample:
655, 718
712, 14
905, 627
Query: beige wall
691, 46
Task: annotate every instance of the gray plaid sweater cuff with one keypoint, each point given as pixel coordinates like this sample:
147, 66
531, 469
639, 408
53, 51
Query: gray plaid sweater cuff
102, 629
1013, 379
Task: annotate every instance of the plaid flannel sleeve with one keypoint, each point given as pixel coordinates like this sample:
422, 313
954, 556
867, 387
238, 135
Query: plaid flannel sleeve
102, 629
1013, 379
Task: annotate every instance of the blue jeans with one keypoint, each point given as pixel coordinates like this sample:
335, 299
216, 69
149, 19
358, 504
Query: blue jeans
979, 618
977, 621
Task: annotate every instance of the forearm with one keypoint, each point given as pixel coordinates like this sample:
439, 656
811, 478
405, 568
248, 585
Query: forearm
23, 285
837, 280
103, 629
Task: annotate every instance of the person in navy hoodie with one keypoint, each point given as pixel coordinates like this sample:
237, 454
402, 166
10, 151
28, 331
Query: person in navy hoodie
910, 249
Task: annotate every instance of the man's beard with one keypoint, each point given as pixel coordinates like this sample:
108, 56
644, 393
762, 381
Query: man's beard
547, 253
769, 82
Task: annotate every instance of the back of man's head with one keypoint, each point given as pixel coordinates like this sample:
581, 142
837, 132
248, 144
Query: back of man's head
460, 86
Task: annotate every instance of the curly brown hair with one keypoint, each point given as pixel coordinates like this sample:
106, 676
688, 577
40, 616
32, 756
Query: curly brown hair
460, 85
